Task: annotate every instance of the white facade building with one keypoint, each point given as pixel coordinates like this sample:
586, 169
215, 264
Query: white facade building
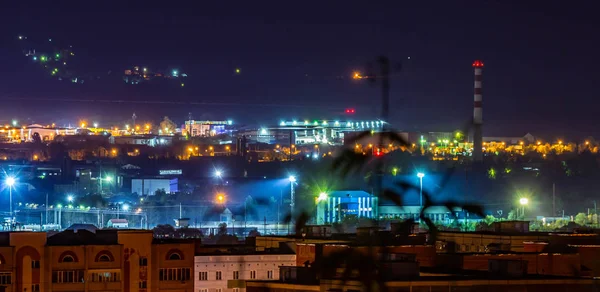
228, 272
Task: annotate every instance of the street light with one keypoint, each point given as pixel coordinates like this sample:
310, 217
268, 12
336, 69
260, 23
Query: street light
523, 202
70, 198
292, 180
10, 182
322, 197
218, 173
420, 175
220, 198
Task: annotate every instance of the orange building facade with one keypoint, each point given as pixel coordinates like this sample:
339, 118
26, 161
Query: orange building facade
105, 260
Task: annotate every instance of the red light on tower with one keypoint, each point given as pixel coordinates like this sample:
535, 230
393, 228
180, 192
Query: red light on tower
478, 64
350, 110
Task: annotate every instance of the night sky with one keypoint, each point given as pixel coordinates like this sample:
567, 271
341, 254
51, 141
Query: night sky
540, 76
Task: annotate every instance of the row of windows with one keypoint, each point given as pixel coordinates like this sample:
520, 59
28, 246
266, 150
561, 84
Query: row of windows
77, 276
105, 277
71, 276
203, 276
5, 278
174, 274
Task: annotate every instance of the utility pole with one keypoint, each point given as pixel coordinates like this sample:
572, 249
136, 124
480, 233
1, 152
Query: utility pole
46, 208
133, 117
189, 125
180, 211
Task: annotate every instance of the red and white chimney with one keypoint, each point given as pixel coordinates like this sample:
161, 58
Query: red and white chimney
477, 112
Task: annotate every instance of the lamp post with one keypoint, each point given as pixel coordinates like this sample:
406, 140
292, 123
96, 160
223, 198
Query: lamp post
420, 175
321, 198
523, 202
292, 180
10, 182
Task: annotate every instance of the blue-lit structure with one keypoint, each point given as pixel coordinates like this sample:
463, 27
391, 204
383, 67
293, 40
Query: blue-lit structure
310, 131
336, 205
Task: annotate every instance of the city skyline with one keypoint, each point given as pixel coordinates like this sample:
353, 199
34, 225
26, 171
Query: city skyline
300, 63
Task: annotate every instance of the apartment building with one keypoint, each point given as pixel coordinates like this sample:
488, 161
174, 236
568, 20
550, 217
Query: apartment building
228, 272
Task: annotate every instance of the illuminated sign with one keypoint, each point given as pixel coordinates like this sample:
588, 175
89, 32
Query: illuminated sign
170, 171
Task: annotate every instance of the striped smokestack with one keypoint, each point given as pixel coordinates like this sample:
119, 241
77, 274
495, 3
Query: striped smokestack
477, 113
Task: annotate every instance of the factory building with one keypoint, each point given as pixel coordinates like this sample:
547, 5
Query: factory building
335, 206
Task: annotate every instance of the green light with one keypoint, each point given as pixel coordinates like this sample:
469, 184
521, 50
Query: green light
57, 56
43, 58
182, 85
59, 206
238, 70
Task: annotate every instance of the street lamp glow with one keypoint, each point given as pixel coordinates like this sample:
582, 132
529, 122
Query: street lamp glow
218, 173
322, 197
220, 198
125, 207
108, 178
420, 175
524, 201
70, 198
10, 181
292, 178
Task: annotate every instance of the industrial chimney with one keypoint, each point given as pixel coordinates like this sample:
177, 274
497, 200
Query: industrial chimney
477, 113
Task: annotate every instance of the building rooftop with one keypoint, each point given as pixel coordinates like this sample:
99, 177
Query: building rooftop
83, 237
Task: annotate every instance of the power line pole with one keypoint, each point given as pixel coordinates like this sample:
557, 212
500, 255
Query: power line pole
46, 208
189, 125
133, 118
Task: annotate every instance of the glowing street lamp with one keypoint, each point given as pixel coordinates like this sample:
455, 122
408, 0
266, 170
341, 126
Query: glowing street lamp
10, 182
292, 180
220, 198
523, 202
420, 175
322, 197
218, 174
70, 198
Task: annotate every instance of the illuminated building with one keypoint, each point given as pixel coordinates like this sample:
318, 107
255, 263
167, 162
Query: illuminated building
335, 206
301, 132
205, 128
95, 260
219, 271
